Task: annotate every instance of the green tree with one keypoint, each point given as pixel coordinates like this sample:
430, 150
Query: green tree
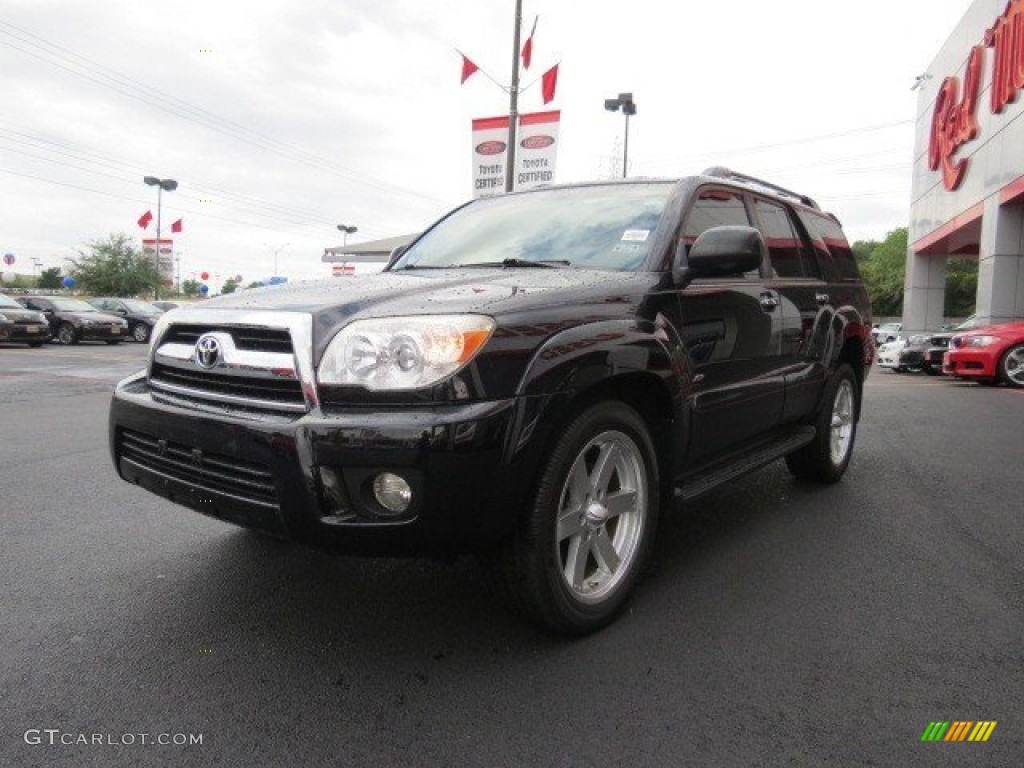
883, 270
255, 284
961, 287
114, 267
49, 278
230, 285
190, 288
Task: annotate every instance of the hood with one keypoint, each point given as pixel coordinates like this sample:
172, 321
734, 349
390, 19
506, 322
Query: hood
494, 292
23, 315
96, 317
1011, 328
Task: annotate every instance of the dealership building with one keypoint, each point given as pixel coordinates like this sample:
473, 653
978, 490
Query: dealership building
968, 188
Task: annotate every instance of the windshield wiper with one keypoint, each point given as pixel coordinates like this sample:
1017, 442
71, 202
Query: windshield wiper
541, 263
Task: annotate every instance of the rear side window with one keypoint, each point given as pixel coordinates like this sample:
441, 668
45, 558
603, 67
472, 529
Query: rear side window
783, 242
830, 242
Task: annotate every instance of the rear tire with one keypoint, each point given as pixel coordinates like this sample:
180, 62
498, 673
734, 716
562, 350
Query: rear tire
583, 542
825, 459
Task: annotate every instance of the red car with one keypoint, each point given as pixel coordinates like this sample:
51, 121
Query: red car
991, 354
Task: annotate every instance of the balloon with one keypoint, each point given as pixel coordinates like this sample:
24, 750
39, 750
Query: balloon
8, 277
204, 288
204, 275
68, 282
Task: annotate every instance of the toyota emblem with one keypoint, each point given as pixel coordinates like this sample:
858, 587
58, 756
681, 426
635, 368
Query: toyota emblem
207, 351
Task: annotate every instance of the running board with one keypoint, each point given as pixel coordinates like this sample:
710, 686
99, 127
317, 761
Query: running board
700, 482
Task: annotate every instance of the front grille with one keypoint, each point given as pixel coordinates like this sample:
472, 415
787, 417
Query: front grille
282, 390
250, 338
203, 469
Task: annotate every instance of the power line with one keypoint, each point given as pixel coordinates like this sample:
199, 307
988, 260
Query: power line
67, 60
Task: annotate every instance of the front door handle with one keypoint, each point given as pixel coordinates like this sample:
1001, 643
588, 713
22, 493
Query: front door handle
769, 301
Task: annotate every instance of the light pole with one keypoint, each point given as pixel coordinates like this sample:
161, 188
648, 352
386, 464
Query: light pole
276, 251
347, 230
36, 264
625, 100
161, 184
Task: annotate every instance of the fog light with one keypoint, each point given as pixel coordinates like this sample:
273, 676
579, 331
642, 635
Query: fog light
392, 492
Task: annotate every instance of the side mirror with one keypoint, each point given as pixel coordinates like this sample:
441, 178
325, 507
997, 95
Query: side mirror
396, 254
721, 252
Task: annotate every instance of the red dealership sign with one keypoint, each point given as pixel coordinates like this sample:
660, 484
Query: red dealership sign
954, 121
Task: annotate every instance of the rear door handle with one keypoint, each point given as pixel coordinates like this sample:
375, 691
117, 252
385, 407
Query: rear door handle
769, 301
821, 298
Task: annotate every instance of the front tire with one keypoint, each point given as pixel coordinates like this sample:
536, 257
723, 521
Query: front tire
1011, 367
582, 544
140, 333
826, 458
66, 334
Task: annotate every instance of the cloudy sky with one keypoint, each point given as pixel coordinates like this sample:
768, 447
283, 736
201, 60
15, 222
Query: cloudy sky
282, 119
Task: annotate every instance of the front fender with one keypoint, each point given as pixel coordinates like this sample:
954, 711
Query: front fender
646, 365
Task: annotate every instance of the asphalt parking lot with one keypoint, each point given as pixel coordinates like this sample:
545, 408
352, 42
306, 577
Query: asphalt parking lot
780, 623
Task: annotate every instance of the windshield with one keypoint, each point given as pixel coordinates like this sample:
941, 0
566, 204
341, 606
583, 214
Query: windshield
72, 305
142, 307
7, 301
599, 227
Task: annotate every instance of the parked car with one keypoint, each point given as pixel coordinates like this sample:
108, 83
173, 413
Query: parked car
989, 354
166, 306
888, 355
886, 332
924, 352
74, 320
534, 379
141, 315
21, 325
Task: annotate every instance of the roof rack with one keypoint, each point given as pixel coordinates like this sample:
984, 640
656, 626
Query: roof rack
724, 173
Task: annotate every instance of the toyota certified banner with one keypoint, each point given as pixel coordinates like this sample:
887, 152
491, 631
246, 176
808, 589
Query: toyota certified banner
166, 260
535, 154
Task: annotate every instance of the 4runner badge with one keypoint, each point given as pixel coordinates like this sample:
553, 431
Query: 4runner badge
207, 351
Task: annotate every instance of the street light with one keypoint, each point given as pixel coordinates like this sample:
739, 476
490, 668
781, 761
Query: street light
625, 101
161, 185
276, 251
348, 231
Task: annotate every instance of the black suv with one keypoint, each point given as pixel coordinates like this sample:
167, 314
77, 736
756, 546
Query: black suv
535, 378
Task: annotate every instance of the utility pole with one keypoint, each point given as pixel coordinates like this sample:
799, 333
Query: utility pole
513, 102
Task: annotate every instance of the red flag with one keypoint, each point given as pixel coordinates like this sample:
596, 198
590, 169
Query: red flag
145, 218
176, 226
528, 45
468, 68
548, 83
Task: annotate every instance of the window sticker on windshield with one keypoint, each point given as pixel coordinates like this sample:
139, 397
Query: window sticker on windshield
636, 235
627, 248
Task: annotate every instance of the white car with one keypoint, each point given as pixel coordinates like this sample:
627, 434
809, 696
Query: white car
886, 332
889, 354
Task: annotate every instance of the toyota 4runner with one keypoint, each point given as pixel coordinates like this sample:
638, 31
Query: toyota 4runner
536, 378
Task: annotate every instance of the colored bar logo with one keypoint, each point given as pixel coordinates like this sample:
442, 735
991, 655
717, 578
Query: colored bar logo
958, 730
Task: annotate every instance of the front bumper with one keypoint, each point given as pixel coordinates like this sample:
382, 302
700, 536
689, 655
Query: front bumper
103, 332
310, 478
22, 333
966, 363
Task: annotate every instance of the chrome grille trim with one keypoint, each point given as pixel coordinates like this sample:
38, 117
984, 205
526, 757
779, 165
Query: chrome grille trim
244, 367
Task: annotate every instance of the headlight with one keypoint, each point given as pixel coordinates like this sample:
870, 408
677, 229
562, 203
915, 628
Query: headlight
3, 318
979, 341
396, 353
